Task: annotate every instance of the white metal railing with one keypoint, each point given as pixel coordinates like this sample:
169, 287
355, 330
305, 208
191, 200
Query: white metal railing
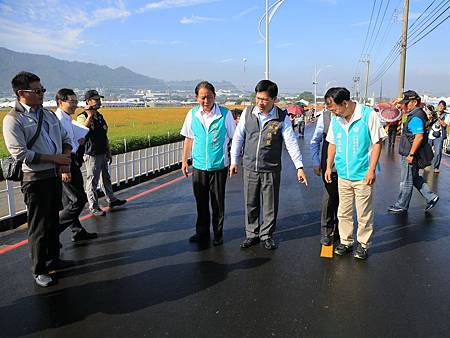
124, 167
446, 146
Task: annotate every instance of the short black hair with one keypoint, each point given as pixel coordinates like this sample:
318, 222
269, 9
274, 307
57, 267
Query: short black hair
63, 94
22, 81
338, 94
236, 112
443, 103
267, 86
204, 84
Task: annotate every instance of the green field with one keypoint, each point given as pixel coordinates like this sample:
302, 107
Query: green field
139, 126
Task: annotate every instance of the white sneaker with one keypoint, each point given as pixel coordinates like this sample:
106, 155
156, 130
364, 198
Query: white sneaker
43, 280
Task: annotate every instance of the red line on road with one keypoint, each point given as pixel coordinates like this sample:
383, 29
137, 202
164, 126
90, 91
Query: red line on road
13, 246
146, 192
446, 163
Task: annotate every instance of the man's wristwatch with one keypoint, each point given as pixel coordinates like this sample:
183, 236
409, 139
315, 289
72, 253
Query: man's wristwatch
300, 168
412, 155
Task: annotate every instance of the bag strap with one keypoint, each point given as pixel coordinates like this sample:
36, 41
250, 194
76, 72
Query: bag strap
38, 130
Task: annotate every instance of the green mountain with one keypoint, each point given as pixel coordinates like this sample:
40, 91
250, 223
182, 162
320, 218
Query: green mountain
56, 74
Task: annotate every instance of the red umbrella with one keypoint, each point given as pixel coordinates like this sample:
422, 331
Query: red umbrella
296, 110
388, 112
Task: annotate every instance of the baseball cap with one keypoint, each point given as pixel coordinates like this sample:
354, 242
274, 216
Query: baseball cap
92, 94
409, 95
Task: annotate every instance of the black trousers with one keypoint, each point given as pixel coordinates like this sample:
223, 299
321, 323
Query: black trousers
330, 203
392, 133
43, 200
206, 185
74, 199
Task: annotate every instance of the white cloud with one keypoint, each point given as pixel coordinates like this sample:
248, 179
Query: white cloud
27, 38
194, 19
53, 26
286, 44
360, 23
166, 4
245, 12
225, 60
155, 42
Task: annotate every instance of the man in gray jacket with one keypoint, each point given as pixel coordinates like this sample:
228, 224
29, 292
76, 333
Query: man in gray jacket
261, 132
43, 164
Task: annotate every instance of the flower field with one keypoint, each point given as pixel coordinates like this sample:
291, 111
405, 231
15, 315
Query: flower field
138, 126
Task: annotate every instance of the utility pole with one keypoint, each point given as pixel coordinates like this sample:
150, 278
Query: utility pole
381, 91
356, 87
401, 83
367, 61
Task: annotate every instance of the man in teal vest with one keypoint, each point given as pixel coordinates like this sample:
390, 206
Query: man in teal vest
355, 136
208, 129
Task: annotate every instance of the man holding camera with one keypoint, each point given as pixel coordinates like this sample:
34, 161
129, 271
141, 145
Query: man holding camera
97, 154
438, 132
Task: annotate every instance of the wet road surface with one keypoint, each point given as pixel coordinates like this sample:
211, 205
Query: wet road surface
142, 278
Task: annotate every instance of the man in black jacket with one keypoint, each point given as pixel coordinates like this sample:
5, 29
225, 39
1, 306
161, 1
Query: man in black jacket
412, 138
97, 154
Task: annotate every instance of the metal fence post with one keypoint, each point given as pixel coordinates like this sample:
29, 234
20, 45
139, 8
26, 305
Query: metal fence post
11, 198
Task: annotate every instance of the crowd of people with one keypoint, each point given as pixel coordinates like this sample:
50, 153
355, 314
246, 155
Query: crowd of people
345, 147
52, 183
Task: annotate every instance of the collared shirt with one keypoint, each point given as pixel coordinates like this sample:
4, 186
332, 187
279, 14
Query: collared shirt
206, 120
44, 130
376, 130
316, 140
289, 137
66, 123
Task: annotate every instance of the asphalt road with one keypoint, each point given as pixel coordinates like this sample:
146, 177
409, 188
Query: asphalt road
142, 278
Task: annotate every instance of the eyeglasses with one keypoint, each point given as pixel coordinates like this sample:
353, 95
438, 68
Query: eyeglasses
38, 91
71, 101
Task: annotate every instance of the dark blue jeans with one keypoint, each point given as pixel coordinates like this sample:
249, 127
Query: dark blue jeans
437, 144
410, 178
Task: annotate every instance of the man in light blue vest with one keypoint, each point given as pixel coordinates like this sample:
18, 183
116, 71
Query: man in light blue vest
208, 129
355, 136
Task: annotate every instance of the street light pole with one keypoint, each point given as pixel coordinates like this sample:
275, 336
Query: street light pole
315, 88
315, 83
267, 41
270, 12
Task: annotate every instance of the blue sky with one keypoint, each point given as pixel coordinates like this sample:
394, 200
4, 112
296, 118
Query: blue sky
208, 39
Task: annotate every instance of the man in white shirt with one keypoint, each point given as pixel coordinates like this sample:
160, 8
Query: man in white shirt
261, 132
73, 195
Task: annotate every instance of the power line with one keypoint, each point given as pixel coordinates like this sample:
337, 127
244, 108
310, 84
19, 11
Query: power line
415, 38
374, 28
429, 17
440, 23
367, 35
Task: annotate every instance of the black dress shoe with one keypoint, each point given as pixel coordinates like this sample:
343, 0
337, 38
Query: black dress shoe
217, 241
326, 240
117, 203
249, 242
199, 238
269, 244
83, 235
59, 264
